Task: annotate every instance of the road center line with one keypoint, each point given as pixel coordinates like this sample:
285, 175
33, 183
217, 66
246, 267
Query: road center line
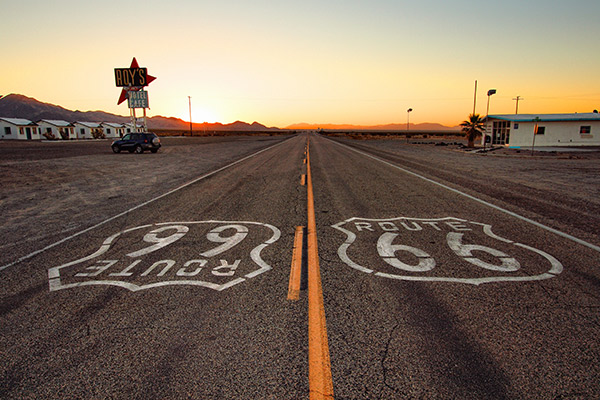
319, 364
522, 218
35, 253
296, 269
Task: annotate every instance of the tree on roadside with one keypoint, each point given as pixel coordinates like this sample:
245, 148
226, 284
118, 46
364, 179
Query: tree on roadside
473, 127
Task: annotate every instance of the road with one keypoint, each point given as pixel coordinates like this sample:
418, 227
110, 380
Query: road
431, 288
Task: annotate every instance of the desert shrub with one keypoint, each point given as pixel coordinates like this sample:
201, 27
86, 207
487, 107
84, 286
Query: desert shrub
98, 134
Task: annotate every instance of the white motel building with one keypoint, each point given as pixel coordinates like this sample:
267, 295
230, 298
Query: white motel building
18, 128
45, 129
517, 130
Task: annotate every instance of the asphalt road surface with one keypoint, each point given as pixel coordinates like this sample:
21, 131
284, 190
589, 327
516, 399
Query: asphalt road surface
434, 285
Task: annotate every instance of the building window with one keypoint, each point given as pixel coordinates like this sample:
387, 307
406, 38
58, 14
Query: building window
516, 126
541, 130
585, 130
7, 130
82, 131
501, 132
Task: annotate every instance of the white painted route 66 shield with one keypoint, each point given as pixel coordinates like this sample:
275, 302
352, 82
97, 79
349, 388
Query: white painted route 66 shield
212, 254
440, 249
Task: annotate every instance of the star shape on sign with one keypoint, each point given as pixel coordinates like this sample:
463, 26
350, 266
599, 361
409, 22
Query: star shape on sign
123, 97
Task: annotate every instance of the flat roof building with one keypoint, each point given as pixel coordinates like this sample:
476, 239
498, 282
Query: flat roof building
517, 130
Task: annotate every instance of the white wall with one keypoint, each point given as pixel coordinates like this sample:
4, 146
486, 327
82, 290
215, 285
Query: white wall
557, 133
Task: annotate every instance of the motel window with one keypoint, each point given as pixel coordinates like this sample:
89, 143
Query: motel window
21, 131
541, 130
7, 130
585, 130
516, 126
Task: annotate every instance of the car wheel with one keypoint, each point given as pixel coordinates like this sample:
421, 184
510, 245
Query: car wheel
138, 149
116, 149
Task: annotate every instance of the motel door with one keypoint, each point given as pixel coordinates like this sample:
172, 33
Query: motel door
501, 132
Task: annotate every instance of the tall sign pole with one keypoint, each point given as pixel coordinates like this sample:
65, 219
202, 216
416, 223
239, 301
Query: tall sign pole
190, 99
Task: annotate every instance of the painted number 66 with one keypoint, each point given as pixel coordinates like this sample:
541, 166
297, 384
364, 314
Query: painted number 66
387, 250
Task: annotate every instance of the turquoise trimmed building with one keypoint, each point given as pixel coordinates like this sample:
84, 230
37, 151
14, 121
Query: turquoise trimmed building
517, 130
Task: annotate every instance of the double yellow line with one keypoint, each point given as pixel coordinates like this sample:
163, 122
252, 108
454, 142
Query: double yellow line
319, 364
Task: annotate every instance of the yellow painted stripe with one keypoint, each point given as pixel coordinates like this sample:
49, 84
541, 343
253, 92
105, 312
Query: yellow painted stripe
303, 180
319, 365
295, 271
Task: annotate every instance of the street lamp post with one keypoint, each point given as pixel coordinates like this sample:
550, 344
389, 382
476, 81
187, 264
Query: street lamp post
487, 113
408, 122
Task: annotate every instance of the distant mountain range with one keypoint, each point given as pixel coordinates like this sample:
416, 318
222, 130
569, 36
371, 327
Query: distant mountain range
19, 106
427, 126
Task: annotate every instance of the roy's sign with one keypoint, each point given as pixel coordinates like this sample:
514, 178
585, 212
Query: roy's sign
212, 254
440, 249
131, 77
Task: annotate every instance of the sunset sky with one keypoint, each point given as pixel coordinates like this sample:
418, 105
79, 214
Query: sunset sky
316, 61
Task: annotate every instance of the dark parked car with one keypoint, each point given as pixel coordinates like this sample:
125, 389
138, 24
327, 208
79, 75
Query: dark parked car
137, 142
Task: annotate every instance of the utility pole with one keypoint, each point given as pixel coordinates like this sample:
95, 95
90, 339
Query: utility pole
190, 100
517, 99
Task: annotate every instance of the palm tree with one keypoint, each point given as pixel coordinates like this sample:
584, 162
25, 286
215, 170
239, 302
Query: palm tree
473, 127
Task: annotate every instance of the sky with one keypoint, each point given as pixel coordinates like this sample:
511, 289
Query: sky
313, 61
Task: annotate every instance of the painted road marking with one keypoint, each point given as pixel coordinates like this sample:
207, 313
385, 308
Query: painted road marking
410, 249
214, 261
296, 269
35, 253
522, 218
319, 363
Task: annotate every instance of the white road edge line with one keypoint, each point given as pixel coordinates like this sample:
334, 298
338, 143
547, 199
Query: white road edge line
522, 218
35, 253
